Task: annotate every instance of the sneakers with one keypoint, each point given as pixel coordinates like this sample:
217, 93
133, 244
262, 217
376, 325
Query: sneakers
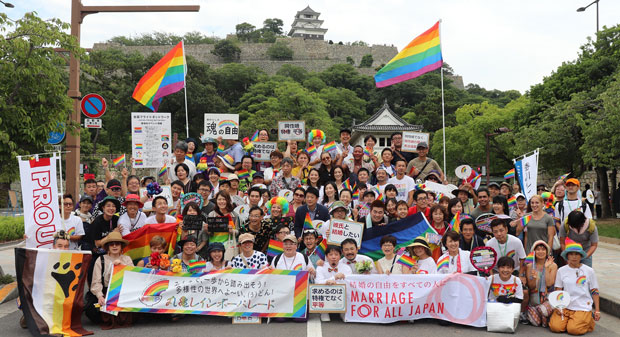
22, 322
523, 319
325, 318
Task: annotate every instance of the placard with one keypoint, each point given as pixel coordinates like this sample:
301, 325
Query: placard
218, 224
291, 130
262, 150
324, 298
343, 229
193, 222
246, 320
165, 192
221, 125
151, 144
412, 139
483, 258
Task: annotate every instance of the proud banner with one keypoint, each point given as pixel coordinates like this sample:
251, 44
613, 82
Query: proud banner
232, 292
458, 298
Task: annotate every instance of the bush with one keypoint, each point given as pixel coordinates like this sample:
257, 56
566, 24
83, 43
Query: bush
366, 61
6, 279
11, 228
227, 50
280, 51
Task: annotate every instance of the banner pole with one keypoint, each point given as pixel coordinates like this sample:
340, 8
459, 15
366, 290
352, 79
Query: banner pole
443, 111
185, 91
62, 209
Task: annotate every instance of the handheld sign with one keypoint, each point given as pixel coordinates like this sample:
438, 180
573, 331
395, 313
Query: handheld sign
327, 298
339, 230
590, 196
286, 194
483, 222
463, 171
243, 211
191, 197
217, 224
483, 259
559, 299
193, 222
291, 130
93, 106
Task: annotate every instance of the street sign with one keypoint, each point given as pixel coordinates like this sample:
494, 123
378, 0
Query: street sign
93, 106
92, 123
55, 137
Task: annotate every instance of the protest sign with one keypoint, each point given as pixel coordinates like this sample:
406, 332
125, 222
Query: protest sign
151, 143
412, 139
40, 196
221, 125
527, 174
262, 150
232, 292
291, 130
148, 204
343, 229
327, 298
380, 298
218, 224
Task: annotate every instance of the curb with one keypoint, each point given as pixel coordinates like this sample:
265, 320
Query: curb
11, 244
609, 306
606, 239
8, 292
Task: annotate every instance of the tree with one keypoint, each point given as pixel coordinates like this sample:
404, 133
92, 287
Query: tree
273, 25
359, 43
227, 50
343, 106
350, 60
366, 61
280, 51
33, 91
245, 32
162, 39
298, 74
233, 80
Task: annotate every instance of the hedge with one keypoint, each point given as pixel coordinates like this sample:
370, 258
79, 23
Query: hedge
11, 228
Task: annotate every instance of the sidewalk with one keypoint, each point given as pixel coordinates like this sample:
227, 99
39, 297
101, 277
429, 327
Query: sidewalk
607, 267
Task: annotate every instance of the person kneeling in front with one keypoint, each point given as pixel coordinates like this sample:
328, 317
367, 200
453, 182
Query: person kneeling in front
332, 272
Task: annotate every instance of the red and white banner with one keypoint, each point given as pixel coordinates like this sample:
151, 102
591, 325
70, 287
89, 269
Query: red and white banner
458, 298
40, 195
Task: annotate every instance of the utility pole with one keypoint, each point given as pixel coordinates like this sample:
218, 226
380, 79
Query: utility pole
78, 12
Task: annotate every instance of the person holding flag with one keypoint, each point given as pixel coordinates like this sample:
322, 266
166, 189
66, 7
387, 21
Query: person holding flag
458, 258
389, 263
316, 211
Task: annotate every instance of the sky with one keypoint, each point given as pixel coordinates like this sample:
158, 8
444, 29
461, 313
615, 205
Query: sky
497, 44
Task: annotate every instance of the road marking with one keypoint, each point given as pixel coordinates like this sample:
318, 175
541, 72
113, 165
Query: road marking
314, 326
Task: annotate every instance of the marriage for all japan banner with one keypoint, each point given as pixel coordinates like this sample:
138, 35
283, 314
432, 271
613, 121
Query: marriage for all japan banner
458, 298
232, 292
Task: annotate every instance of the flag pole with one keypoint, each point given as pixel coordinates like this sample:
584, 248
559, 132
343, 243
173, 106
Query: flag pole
443, 111
185, 90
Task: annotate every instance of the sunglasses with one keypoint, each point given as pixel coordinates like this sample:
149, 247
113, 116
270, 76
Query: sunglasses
115, 189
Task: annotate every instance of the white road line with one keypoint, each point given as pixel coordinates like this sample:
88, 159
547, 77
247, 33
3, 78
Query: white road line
314, 326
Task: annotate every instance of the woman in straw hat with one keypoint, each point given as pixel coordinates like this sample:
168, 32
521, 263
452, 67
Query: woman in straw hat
422, 251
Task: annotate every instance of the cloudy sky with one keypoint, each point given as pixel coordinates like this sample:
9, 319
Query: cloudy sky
498, 44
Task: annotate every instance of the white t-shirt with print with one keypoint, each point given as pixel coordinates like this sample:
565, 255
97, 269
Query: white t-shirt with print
505, 288
466, 266
427, 266
403, 186
512, 248
73, 226
577, 282
298, 262
569, 206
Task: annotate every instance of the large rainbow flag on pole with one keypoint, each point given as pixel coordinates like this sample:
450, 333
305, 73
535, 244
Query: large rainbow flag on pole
420, 56
166, 77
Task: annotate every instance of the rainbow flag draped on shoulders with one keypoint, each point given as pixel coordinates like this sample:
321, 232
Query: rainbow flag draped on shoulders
139, 240
420, 56
166, 77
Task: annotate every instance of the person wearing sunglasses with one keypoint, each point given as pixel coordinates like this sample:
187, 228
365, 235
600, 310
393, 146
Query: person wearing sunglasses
71, 224
114, 190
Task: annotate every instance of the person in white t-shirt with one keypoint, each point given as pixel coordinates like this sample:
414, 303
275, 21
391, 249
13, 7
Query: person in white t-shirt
71, 224
291, 259
420, 249
458, 259
404, 184
571, 202
580, 282
133, 218
505, 287
351, 257
333, 271
506, 244
160, 206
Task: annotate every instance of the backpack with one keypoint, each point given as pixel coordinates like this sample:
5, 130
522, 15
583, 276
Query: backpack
590, 222
277, 258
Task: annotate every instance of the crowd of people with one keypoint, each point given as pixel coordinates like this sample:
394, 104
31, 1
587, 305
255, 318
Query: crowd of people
345, 182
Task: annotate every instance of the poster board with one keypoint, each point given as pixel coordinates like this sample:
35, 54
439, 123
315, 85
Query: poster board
412, 139
291, 130
324, 298
151, 141
262, 150
339, 230
221, 125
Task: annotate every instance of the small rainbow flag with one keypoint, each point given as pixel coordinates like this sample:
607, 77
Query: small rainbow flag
138, 146
308, 222
367, 152
439, 196
406, 261
529, 258
320, 249
564, 176
329, 147
275, 248
220, 149
525, 220
363, 206
162, 171
356, 195
196, 266
443, 263
137, 129
455, 224
255, 136
510, 174
346, 184
243, 174
512, 201
311, 150
118, 161
381, 197
420, 187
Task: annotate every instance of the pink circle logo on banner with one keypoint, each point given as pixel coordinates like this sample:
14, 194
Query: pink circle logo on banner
474, 287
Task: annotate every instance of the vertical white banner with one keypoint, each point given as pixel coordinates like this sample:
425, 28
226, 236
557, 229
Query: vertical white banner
527, 174
40, 196
150, 139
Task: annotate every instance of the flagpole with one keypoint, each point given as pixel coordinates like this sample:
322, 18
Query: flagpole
185, 90
443, 112
62, 192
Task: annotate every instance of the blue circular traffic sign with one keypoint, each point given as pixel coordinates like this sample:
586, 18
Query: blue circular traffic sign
93, 106
55, 137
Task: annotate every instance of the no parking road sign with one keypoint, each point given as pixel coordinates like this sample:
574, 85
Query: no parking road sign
93, 106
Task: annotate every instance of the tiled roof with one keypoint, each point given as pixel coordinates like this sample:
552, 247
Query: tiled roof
402, 126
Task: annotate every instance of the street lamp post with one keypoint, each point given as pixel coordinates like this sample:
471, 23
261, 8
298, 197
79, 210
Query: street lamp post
583, 9
78, 12
488, 136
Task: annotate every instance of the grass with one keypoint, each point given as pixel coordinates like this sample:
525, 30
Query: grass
11, 228
6, 279
609, 227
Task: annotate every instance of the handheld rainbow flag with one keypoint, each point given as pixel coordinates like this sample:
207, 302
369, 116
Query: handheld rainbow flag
529, 258
162, 171
118, 161
346, 184
381, 197
564, 176
406, 261
421, 55
356, 195
329, 147
255, 136
525, 220
510, 174
311, 150
321, 248
220, 149
512, 201
367, 152
455, 224
419, 187
443, 263
275, 248
166, 77
243, 174
196, 266
308, 222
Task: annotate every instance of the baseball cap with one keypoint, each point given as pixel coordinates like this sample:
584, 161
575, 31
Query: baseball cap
573, 181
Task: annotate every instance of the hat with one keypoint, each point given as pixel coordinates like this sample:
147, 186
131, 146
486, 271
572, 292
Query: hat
311, 231
86, 198
520, 195
493, 184
214, 169
421, 242
246, 237
228, 161
114, 237
505, 184
573, 181
258, 175
433, 173
206, 140
232, 177
106, 200
462, 189
189, 238
261, 186
216, 246
113, 183
541, 242
573, 247
133, 198
338, 204
290, 237
422, 144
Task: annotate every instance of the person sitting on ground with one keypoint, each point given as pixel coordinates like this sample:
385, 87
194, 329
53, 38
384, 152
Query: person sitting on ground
71, 224
188, 252
540, 280
505, 287
216, 260
248, 258
158, 245
581, 230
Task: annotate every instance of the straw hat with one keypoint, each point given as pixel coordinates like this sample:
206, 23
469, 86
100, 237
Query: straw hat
114, 237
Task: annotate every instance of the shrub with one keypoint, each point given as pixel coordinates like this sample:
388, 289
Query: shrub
227, 50
366, 61
280, 51
11, 228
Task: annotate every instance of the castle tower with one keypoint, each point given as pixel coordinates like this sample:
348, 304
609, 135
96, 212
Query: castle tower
307, 25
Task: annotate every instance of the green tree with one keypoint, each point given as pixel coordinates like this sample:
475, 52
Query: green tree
298, 74
273, 25
314, 83
359, 43
366, 61
33, 91
233, 80
280, 51
343, 106
227, 50
350, 60
245, 32
345, 76
161, 39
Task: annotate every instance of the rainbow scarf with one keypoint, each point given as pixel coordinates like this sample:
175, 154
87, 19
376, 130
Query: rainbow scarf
255, 136
406, 261
118, 161
443, 263
275, 248
421, 55
509, 174
166, 77
381, 197
308, 222
329, 147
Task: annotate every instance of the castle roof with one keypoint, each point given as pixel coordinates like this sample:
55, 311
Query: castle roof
386, 120
307, 10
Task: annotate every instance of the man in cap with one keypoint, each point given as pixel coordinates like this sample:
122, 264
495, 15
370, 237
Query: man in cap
209, 153
84, 209
421, 166
494, 190
180, 152
235, 150
248, 258
572, 201
105, 223
114, 190
134, 218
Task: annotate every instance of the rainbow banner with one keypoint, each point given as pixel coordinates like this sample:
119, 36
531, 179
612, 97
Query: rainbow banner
254, 137
421, 55
275, 248
166, 77
509, 174
329, 147
282, 293
118, 161
139, 240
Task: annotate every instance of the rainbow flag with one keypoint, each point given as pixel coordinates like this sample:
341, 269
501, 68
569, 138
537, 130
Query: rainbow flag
255, 136
421, 55
367, 152
406, 261
381, 197
139, 240
329, 147
510, 174
139, 162
218, 237
530, 258
443, 263
137, 129
275, 248
564, 176
138, 146
196, 266
311, 150
512, 201
162, 171
420, 187
346, 184
455, 224
220, 149
118, 161
308, 222
525, 220
243, 174
166, 77
356, 195
320, 249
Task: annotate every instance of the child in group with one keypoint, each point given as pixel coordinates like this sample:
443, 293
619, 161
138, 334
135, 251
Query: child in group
505, 287
422, 251
332, 272
401, 209
158, 245
310, 239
